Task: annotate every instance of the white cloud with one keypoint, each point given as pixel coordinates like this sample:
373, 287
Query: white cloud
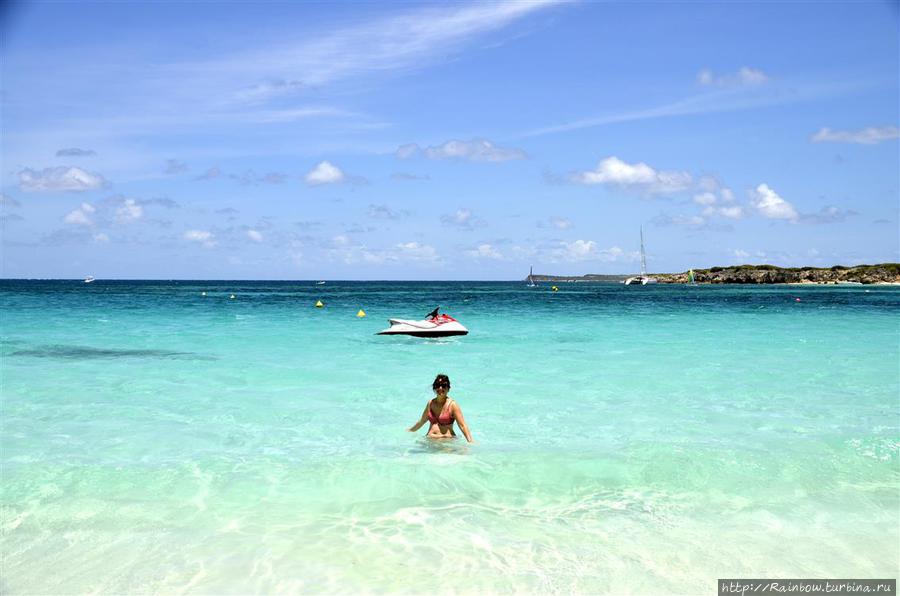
62, 178
560, 223
462, 219
580, 250
686, 221
81, 215
586, 250
705, 198
866, 136
385, 212
101, 238
129, 211
414, 251
485, 251
612, 171
729, 211
254, 235
324, 173
407, 151
350, 253
344, 249
732, 212
740, 254
474, 150
204, 237
827, 214
770, 205
745, 77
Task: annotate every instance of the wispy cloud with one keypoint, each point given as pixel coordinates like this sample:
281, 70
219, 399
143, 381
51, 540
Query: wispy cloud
344, 249
745, 76
129, 211
586, 250
485, 251
462, 219
174, 166
385, 212
75, 152
559, 223
203, 237
711, 101
161, 201
865, 136
827, 215
474, 150
403, 41
263, 83
405, 176
63, 178
210, 174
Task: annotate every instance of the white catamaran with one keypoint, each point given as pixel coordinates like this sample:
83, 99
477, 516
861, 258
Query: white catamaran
642, 279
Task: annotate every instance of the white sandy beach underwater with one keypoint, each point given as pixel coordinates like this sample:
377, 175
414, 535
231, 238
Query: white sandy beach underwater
629, 441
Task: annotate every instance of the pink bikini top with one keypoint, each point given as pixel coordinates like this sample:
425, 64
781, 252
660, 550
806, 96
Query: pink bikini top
444, 419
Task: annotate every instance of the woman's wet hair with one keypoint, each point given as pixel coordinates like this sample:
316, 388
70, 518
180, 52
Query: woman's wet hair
439, 380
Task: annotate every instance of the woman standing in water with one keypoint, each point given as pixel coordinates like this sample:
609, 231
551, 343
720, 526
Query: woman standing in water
441, 412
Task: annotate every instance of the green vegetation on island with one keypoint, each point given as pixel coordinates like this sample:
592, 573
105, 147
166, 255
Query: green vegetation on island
759, 274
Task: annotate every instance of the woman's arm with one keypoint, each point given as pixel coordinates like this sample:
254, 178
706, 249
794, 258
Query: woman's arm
421, 421
461, 421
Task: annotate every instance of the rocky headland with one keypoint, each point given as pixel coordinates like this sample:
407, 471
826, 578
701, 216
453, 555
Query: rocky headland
884, 273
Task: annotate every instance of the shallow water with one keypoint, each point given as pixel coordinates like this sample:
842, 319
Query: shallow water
629, 439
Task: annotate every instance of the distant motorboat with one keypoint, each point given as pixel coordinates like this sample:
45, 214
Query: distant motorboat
642, 279
89, 279
320, 283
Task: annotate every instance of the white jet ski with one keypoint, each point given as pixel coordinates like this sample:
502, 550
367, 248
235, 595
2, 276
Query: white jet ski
434, 325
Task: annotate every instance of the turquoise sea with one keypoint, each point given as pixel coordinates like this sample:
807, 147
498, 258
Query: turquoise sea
628, 439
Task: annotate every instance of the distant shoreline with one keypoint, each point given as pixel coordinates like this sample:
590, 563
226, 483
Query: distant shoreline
881, 274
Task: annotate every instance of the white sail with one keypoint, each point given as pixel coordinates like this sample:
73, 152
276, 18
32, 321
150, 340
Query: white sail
642, 279
643, 255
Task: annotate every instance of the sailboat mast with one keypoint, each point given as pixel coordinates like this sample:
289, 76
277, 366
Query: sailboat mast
643, 256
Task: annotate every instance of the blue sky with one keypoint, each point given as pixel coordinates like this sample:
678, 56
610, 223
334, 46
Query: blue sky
361, 140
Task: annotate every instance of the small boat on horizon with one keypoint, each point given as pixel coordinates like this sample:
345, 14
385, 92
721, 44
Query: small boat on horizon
530, 280
89, 279
320, 283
